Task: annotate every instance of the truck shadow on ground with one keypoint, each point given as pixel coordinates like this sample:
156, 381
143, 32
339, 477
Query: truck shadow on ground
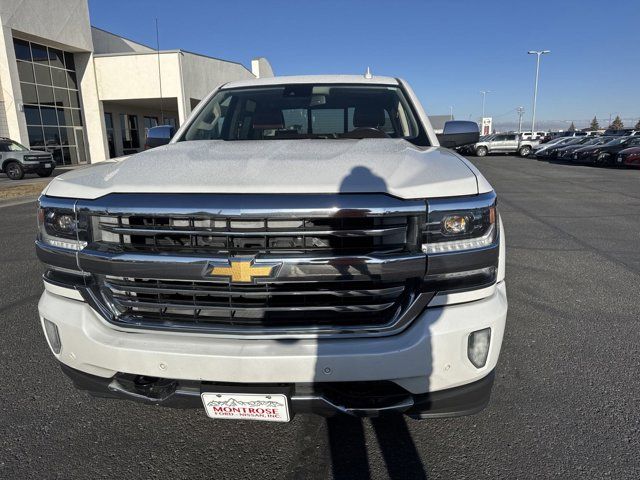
347, 438
349, 453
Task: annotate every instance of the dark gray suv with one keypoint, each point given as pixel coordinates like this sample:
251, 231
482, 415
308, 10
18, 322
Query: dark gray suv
16, 160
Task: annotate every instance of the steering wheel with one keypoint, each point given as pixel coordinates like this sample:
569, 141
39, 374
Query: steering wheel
366, 132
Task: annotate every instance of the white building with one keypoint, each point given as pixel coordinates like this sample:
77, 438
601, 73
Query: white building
86, 94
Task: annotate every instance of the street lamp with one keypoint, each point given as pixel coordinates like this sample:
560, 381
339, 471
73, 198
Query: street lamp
537, 53
484, 94
520, 111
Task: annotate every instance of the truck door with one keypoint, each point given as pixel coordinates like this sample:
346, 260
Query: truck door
510, 143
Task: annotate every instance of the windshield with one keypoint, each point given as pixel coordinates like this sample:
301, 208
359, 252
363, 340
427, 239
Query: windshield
12, 146
618, 141
305, 112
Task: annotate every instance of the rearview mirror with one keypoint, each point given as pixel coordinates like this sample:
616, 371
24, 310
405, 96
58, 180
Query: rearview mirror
457, 133
157, 136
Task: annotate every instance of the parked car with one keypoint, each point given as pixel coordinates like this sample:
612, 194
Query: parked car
548, 150
504, 143
567, 133
563, 152
566, 152
629, 157
549, 143
622, 132
294, 248
604, 155
539, 135
16, 160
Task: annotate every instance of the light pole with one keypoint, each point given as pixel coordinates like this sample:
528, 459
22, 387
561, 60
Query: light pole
451, 112
484, 95
537, 53
520, 111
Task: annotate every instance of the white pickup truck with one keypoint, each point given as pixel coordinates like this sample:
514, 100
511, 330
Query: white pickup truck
302, 244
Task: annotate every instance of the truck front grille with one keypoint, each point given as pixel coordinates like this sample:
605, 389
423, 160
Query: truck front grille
242, 236
202, 305
346, 262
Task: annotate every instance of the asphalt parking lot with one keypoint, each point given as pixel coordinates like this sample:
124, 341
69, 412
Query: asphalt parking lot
565, 403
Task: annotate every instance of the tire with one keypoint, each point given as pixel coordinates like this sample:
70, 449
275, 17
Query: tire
481, 151
14, 171
45, 173
602, 160
524, 151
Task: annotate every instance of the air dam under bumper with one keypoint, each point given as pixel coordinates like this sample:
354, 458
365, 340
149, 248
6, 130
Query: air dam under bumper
429, 356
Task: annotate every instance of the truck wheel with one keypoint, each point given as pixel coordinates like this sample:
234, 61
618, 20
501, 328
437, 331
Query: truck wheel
481, 151
45, 173
14, 171
525, 151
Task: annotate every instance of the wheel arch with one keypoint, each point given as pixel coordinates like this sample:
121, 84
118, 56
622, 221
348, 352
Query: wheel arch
5, 162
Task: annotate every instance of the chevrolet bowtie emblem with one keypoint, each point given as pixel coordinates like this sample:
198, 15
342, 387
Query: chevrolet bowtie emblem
240, 271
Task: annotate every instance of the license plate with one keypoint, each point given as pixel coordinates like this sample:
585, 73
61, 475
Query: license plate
47, 165
246, 406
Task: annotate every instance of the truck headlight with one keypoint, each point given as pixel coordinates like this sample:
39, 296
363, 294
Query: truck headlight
59, 227
460, 224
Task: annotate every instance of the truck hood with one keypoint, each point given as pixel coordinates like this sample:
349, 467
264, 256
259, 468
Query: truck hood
392, 166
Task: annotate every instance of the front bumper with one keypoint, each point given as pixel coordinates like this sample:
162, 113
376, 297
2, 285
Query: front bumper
39, 165
464, 400
429, 356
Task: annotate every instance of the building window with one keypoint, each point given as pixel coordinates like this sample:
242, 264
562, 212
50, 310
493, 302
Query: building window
51, 101
129, 128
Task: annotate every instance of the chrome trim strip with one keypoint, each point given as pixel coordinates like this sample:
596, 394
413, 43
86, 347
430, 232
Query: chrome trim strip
474, 202
397, 325
251, 205
254, 233
166, 287
294, 268
226, 308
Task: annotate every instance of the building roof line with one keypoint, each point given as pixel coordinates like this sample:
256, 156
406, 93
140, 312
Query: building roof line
179, 50
123, 37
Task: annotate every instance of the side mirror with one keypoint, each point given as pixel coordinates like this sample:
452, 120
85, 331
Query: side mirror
457, 133
157, 136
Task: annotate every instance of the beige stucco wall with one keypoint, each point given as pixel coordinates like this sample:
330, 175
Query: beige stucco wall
64, 21
127, 76
184, 76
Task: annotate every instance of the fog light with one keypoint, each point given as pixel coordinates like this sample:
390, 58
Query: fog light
53, 336
478, 347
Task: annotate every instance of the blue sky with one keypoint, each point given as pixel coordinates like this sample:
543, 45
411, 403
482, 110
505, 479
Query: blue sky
447, 50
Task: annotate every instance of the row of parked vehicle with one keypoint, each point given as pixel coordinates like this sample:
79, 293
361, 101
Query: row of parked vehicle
613, 148
601, 151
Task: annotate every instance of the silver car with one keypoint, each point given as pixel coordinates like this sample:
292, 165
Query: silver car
16, 160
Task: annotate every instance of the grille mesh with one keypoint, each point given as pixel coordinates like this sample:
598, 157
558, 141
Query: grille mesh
207, 304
